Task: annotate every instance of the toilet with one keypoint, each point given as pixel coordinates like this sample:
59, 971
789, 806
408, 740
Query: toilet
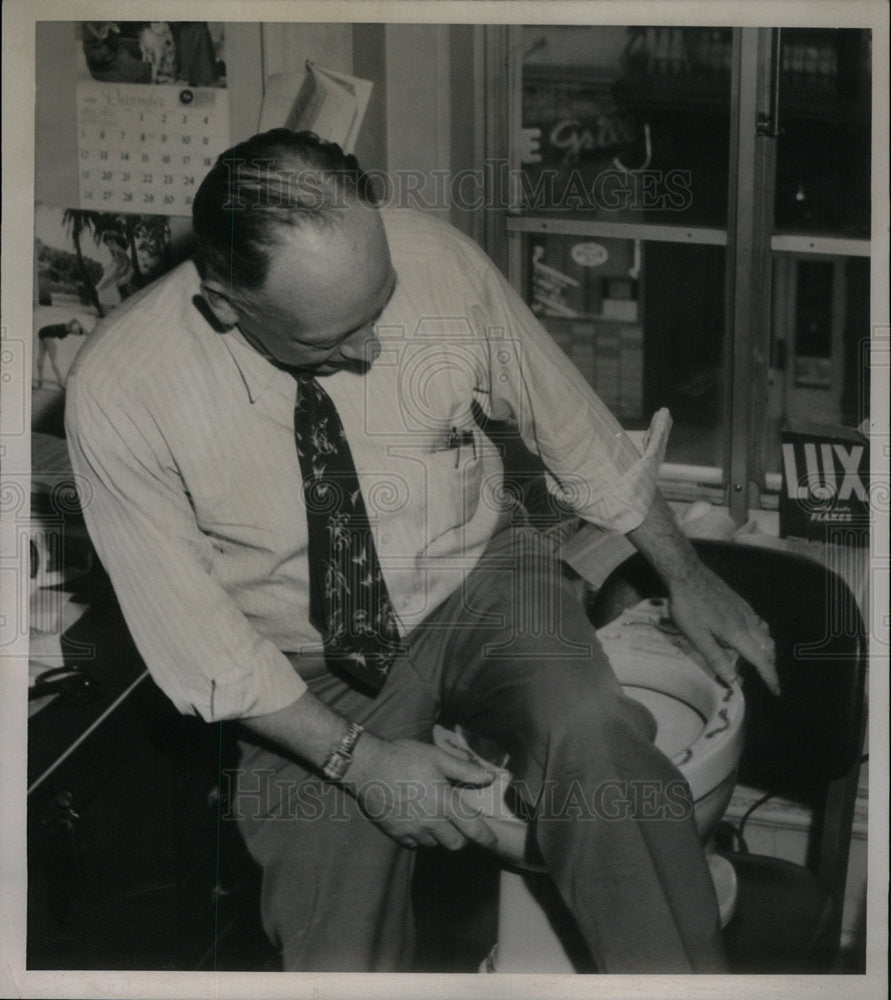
699, 727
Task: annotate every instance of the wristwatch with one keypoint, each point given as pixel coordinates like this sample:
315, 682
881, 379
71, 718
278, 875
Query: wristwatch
338, 761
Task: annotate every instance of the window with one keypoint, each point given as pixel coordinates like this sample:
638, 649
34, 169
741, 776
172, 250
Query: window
687, 211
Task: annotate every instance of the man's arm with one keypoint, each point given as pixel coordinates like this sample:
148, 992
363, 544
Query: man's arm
199, 647
600, 474
712, 616
207, 657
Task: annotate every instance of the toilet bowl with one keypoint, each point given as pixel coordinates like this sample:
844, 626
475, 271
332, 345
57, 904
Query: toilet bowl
699, 720
699, 728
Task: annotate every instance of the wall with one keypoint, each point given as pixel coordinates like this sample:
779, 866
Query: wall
55, 124
418, 119
407, 130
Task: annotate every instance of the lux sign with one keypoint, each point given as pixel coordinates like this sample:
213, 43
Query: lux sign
821, 476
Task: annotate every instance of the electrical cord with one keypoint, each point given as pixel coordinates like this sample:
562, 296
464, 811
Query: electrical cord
745, 816
737, 831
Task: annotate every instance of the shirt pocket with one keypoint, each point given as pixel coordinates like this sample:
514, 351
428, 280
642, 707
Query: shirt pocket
453, 488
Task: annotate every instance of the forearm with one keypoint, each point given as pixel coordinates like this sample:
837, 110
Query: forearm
405, 786
712, 616
306, 730
663, 543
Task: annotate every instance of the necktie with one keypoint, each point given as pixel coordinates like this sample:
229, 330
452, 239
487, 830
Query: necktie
349, 603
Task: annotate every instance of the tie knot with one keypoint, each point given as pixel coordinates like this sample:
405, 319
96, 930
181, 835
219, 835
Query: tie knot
300, 376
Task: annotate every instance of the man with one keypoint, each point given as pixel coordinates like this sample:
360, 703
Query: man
308, 533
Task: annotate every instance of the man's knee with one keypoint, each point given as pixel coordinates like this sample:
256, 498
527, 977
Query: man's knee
605, 722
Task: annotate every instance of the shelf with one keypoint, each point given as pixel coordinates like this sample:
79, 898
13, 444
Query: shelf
559, 224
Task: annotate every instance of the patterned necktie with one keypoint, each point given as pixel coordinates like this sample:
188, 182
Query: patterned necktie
349, 603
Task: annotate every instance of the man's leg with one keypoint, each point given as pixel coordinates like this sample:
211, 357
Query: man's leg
613, 821
336, 889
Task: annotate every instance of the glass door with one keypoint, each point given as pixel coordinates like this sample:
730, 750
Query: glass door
687, 211
819, 237
619, 215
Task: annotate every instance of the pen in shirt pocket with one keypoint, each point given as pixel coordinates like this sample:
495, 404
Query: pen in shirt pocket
458, 439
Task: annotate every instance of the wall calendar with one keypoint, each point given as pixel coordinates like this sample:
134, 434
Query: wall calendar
146, 149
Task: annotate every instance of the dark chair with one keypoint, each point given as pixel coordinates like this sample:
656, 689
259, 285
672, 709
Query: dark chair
805, 745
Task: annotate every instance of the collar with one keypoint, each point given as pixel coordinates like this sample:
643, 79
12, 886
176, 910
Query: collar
256, 372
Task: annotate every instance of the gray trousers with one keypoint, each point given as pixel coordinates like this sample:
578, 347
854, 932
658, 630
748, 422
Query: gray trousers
513, 658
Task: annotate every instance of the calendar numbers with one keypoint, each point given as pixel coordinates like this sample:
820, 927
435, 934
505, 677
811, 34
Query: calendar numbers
137, 144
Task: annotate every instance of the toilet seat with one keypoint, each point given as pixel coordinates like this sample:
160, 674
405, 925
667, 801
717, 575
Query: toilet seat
656, 665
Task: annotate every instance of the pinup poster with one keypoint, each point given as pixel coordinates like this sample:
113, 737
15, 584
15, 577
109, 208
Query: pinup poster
86, 263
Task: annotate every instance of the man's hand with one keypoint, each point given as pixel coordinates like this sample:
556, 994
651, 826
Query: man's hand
716, 619
711, 615
409, 790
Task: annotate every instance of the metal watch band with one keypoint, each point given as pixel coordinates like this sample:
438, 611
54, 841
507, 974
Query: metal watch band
338, 761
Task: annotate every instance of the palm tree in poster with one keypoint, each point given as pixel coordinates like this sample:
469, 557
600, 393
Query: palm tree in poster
77, 223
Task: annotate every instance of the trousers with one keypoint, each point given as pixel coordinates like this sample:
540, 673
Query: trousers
512, 657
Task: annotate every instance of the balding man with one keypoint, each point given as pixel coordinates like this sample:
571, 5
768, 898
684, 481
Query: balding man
308, 533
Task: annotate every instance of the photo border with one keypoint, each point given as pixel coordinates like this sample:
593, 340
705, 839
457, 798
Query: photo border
19, 19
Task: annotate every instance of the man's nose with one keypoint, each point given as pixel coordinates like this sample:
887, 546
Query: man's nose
362, 345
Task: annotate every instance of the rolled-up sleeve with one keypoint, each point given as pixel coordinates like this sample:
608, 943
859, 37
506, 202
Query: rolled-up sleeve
594, 466
198, 646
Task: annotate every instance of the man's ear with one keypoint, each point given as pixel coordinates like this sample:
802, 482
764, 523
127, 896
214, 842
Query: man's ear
219, 300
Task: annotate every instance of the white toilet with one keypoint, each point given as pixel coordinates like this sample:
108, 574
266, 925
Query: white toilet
700, 728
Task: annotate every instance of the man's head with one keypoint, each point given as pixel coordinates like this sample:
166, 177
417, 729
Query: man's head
73, 326
292, 250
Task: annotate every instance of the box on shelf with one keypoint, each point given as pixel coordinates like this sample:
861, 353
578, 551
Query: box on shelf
825, 494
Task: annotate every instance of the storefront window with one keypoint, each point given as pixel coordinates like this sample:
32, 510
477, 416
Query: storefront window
626, 124
823, 150
643, 321
690, 219
630, 126
819, 345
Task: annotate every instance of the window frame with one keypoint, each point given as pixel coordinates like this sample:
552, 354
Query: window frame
742, 483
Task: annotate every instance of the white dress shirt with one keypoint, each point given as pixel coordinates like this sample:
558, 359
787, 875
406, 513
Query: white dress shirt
182, 441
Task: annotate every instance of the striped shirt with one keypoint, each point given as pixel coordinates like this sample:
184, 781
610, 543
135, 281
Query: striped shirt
182, 441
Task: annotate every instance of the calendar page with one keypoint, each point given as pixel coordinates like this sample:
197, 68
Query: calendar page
147, 148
